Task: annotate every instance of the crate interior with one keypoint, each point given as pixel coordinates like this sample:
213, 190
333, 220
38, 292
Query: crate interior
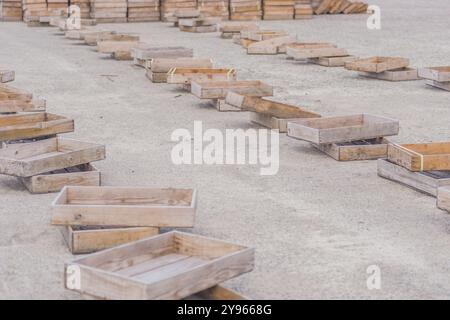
111, 196
160, 257
440, 148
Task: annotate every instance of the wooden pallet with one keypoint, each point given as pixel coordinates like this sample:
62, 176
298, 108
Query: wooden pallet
421, 156
186, 75
439, 74
377, 64
33, 158
440, 85
33, 125
125, 206
370, 149
427, 181
219, 89
332, 61
405, 74
88, 239
271, 46
141, 55
7, 75
342, 129
54, 181
443, 198
267, 107
173, 265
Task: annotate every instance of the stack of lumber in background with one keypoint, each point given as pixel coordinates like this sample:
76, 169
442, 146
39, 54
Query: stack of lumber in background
278, 9
34, 9
346, 138
438, 77
109, 11
303, 9
56, 7
10, 10
85, 7
245, 10
143, 10
169, 7
214, 8
384, 68
339, 6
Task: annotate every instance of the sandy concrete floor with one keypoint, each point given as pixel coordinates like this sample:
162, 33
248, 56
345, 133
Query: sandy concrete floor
317, 225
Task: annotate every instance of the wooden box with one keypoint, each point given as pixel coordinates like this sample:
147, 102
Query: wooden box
439, 74
342, 129
92, 37
440, 85
156, 77
271, 46
199, 29
315, 52
160, 65
10, 93
54, 181
370, 149
109, 46
7, 75
219, 89
405, 74
261, 35
173, 266
443, 198
377, 64
141, 55
186, 75
332, 61
125, 206
88, 239
14, 106
421, 156
426, 181
28, 159
33, 125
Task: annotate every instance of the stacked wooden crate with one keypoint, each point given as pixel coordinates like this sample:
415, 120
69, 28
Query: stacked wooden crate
109, 11
143, 10
303, 9
169, 7
245, 10
214, 8
422, 166
278, 9
346, 138
85, 7
10, 10
384, 68
34, 9
438, 77
56, 7
339, 6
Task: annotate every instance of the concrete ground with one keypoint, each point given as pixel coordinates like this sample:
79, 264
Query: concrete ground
316, 225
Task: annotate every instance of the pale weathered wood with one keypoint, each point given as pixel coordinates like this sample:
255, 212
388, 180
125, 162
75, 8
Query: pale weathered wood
378, 64
33, 125
91, 38
54, 181
161, 52
165, 65
370, 149
11, 93
84, 239
261, 35
440, 85
13, 106
443, 198
7, 75
332, 61
406, 74
173, 265
198, 22
186, 75
199, 29
110, 46
129, 206
427, 181
421, 156
222, 106
317, 52
342, 129
219, 89
156, 77
237, 27
439, 74
271, 46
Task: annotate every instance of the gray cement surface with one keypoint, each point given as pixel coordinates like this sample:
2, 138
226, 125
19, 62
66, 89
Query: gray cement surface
317, 225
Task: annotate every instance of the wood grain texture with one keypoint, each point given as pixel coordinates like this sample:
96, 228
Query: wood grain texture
406, 74
271, 46
186, 75
443, 198
332, 61
165, 64
356, 150
377, 64
219, 89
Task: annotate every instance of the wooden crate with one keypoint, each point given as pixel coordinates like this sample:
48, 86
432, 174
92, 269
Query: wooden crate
199, 29
267, 107
278, 9
237, 27
261, 35
377, 64
125, 206
54, 181
29, 159
88, 239
421, 156
405, 74
439, 74
91, 38
246, 10
7, 75
370, 149
342, 129
332, 61
160, 65
298, 53
222, 106
271, 46
219, 89
186, 75
156, 77
13, 106
110, 46
33, 125
11, 93
427, 181
173, 265
443, 198
141, 55
440, 85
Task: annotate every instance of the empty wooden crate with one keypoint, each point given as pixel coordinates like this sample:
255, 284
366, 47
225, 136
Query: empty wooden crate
342, 129
377, 64
33, 125
369, 149
32, 158
173, 265
421, 156
125, 206
219, 89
